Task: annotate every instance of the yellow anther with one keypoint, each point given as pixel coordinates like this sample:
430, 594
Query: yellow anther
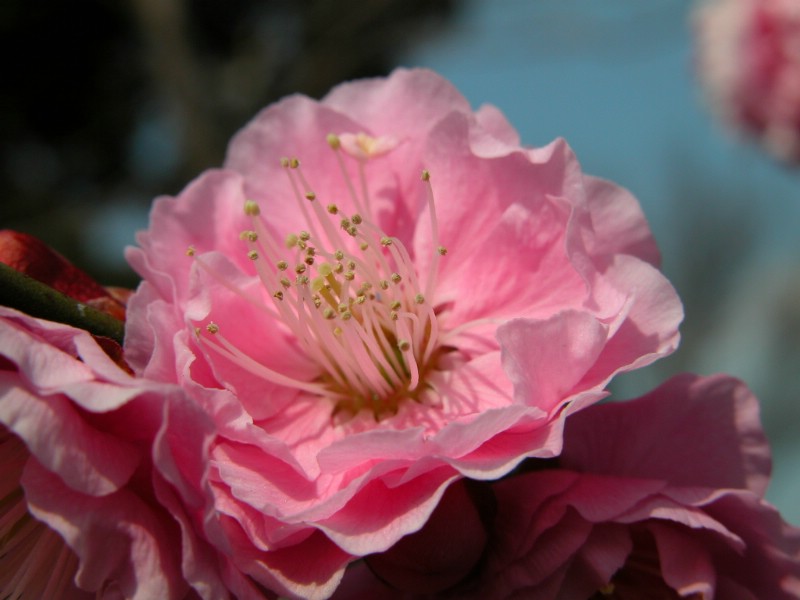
360, 299
396, 305
383, 284
426, 176
356, 219
212, 328
352, 230
316, 300
349, 275
301, 280
337, 331
305, 236
286, 283
250, 236
404, 345
351, 265
393, 315
347, 315
333, 141
395, 277
607, 589
190, 251
364, 246
282, 265
338, 267
441, 250
278, 295
344, 223
333, 209
293, 163
291, 240
311, 196
329, 313
386, 241
342, 308
300, 268
419, 299
317, 284
284, 162
251, 208
252, 255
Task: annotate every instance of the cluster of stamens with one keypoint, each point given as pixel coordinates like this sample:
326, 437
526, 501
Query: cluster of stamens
349, 294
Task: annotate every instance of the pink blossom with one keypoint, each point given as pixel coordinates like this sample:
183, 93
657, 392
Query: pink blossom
661, 493
659, 497
380, 293
748, 57
77, 507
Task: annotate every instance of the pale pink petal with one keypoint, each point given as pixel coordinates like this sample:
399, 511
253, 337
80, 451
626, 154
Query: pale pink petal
392, 104
495, 136
116, 537
544, 374
89, 460
712, 425
618, 222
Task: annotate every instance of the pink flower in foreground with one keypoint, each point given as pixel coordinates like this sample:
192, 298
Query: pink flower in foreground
748, 58
383, 292
660, 497
77, 506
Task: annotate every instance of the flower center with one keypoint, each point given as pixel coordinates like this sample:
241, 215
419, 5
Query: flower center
347, 291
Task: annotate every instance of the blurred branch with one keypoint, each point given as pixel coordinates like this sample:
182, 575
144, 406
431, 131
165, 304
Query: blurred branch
39, 300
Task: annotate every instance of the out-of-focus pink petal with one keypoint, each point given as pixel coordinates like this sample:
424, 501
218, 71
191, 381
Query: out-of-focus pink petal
711, 424
117, 537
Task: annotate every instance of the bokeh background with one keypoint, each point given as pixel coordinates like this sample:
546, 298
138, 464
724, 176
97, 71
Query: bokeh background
106, 104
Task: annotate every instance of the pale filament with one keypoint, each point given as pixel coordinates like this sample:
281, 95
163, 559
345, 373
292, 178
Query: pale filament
347, 292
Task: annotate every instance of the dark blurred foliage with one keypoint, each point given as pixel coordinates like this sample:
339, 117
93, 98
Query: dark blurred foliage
107, 104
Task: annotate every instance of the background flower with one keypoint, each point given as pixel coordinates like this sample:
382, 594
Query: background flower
77, 508
661, 495
748, 56
547, 289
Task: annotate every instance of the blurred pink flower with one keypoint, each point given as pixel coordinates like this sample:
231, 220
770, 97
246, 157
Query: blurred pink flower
661, 493
77, 506
660, 497
384, 292
748, 59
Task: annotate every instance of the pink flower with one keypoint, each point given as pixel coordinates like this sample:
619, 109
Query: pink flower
748, 55
384, 292
661, 493
78, 512
659, 497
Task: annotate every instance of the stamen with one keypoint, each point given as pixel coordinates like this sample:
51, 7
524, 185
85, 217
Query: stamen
356, 308
439, 250
225, 348
335, 143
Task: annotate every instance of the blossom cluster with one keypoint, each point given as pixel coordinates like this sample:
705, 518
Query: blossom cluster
748, 60
365, 360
